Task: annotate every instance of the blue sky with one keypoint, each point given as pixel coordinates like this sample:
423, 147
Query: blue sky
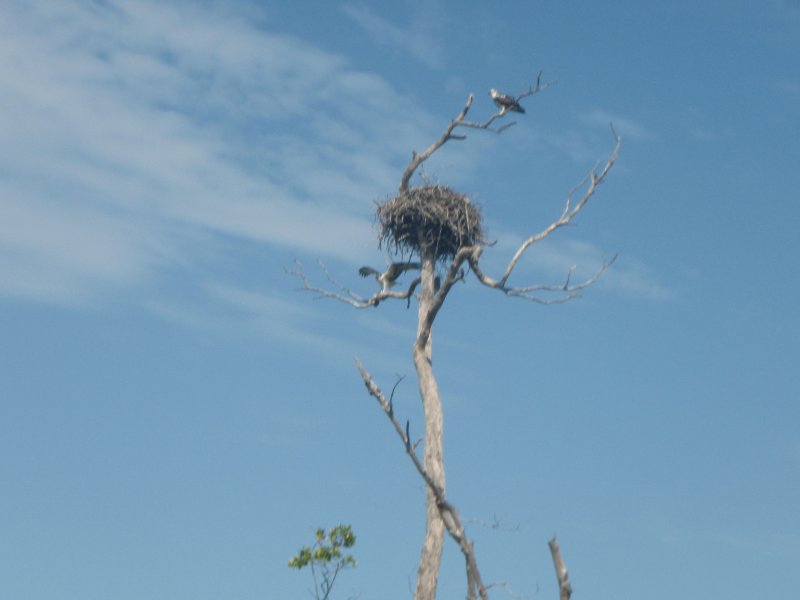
177, 419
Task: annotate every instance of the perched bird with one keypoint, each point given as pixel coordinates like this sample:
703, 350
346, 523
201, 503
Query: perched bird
505, 101
389, 277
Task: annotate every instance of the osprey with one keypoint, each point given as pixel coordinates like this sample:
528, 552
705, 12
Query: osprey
388, 278
505, 101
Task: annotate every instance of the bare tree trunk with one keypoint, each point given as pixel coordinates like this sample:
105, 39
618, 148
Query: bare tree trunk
463, 243
431, 554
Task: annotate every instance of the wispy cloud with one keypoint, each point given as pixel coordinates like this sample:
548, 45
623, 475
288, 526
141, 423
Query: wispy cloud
625, 127
230, 310
419, 40
70, 254
632, 277
576, 144
132, 132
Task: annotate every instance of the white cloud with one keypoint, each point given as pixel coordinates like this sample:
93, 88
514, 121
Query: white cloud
134, 131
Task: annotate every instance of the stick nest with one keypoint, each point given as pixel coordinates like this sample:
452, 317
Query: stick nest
431, 215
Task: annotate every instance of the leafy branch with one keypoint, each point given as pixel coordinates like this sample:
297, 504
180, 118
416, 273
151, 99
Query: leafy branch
325, 558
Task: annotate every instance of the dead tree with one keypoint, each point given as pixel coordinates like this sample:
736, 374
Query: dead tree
443, 231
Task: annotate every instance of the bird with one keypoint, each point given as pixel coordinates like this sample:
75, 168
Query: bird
505, 101
389, 277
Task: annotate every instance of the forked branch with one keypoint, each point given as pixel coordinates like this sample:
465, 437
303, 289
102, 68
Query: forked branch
345, 294
558, 294
568, 290
449, 513
594, 179
534, 89
460, 121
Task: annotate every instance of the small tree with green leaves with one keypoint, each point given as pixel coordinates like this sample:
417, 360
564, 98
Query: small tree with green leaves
325, 558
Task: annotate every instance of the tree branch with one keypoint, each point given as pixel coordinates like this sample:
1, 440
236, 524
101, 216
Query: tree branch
448, 511
539, 87
592, 180
564, 586
570, 291
460, 121
568, 213
386, 405
345, 294
454, 274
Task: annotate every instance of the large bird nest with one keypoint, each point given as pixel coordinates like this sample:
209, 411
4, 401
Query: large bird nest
431, 216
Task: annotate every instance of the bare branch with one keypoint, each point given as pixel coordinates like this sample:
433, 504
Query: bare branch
454, 274
345, 294
487, 125
539, 87
448, 511
594, 179
418, 159
460, 121
568, 290
564, 586
403, 432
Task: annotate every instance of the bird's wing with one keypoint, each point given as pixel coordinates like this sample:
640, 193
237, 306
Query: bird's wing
396, 269
367, 271
504, 99
507, 101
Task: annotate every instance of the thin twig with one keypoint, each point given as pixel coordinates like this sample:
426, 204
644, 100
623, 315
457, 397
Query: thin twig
569, 291
347, 295
391, 395
504, 585
497, 525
